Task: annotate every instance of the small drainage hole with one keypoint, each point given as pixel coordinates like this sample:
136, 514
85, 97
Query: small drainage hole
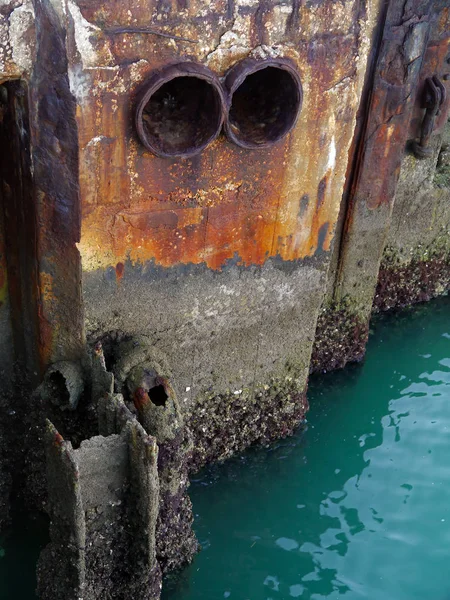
158, 395
183, 115
264, 107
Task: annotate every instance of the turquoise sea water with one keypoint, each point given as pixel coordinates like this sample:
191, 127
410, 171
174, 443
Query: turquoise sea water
19, 551
357, 506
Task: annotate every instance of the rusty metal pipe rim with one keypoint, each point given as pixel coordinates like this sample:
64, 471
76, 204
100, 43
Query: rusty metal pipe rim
197, 94
278, 106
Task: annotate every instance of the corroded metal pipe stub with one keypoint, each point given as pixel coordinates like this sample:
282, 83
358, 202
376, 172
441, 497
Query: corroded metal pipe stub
264, 101
181, 110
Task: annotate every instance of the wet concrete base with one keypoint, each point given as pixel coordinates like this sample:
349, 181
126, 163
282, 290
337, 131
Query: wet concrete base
93, 483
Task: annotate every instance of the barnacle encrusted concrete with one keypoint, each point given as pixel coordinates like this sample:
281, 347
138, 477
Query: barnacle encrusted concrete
159, 313
341, 337
224, 424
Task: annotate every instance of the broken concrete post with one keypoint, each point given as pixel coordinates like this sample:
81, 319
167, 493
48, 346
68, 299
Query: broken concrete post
159, 413
61, 569
60, 398
113, 415
64, 381
144, 505
103, 501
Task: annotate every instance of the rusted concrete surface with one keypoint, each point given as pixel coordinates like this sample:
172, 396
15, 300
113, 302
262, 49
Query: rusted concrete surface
242, 236
414, 43
54, 144
416, 260
224, 211
227, 202
219, 260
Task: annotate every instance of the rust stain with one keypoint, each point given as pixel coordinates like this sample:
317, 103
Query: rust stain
48, 330
434, 63
58, 439
396, 111
140, 399
321, 191
227, 203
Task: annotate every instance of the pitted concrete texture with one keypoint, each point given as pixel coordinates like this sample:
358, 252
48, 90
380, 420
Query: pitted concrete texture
17, 39
341, 337
222, 425
421, 216
102, 463
219, 331
103, 471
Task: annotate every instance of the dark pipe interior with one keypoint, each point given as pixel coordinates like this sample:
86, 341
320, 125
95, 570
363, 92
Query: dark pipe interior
158, 395
59, 388
183, 114
264, 107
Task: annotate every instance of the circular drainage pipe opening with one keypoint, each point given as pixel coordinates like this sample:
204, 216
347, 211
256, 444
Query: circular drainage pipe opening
265, 99
181, 111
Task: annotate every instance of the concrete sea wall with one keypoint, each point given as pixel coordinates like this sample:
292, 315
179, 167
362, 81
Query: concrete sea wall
200, 204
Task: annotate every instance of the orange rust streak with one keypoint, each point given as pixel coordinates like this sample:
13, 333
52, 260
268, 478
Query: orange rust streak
140, 399
224, 204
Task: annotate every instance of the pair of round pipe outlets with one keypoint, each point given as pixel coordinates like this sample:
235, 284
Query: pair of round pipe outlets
185, 105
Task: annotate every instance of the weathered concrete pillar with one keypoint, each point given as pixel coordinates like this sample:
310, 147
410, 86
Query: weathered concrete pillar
416, 259
240, 232
219, 258
395, 91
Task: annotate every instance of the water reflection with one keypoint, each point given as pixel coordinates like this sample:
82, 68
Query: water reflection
354, 507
